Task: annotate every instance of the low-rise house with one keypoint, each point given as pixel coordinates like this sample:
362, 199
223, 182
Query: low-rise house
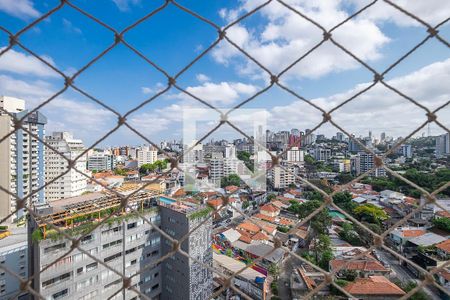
269, 210
443, 250
400, 236
249, 281
374, 287
364, 267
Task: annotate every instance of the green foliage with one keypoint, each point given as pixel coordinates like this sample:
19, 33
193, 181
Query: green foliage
349, 275
245, 157
274, 270
350, 235
37, 235
229, 252
202, 213
271, 196
322, 251
232, 179
442, 223
320, 222
120, 171
274, 288
245, 204
370, 213
313, 195
419, 295
344, 178
157, 165
429, 181
3, 227
344, 201
283, 229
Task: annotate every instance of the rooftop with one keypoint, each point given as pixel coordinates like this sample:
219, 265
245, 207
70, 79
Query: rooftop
373, 285
235, 266
427, 239
445, 246
17, 239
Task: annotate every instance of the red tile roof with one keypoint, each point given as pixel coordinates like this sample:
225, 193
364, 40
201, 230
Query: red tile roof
179, 193
260, 236
413, 232
443, 213
445, 245
269, 208
216, 203
265, 218
247, 226
374, 285
359, 265
231, 188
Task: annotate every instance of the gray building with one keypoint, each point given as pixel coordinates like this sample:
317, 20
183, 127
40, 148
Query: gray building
125, 243
13, 256
182, 277
101, 162
442, 145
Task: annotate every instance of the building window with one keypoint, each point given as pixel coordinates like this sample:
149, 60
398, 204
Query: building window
91, 267
56, 279
112, 257
131, 225
54, 248
60, 294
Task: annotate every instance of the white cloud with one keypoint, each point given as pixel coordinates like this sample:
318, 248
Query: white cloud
124, 5
431, 11
152, 90
223, 93
285, 36
379, 109
22, 9
20, 63
82, 117
202, 77
69, 27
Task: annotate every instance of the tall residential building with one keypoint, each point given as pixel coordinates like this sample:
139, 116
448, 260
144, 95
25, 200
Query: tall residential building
363, 162
443, 145
101, 162
72, 183
21, 155
216, 168
184, 278
405, 150
147, 155
280, 178
125, 243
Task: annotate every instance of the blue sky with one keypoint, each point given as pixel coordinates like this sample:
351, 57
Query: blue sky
172, 38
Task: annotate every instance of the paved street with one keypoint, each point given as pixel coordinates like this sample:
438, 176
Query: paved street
402, 273
284, 289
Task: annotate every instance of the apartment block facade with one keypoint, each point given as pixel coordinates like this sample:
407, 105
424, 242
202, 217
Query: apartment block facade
127, 244
22, 164
183, 278
72, 183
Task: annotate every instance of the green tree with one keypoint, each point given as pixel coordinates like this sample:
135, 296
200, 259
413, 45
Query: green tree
419, 295
442, 223
283, 229
245, 157
370, 213
274, 270
344, 201
232, 179
344, 178
271, 196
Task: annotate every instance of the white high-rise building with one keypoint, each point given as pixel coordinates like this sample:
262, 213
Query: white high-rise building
295, 155
21, 155
146, 155
72, 183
